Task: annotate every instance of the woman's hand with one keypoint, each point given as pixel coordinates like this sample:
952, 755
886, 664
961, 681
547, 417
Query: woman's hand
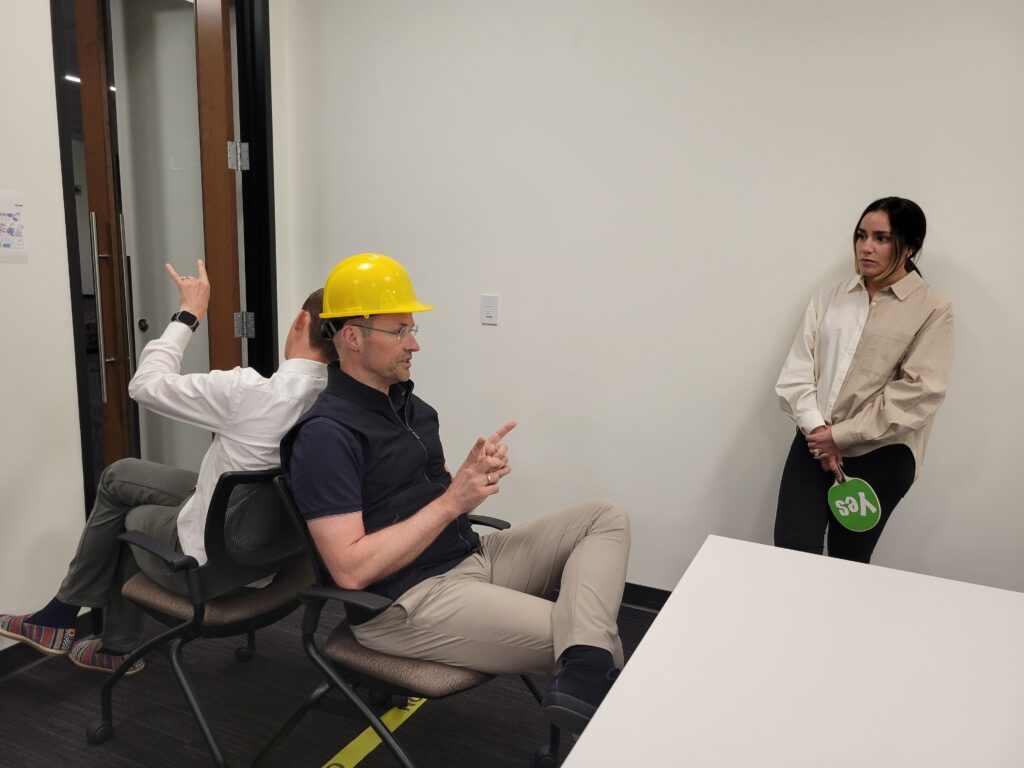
824, 449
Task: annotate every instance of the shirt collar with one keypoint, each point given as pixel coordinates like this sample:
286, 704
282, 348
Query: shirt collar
341, 383
312, 368
900, 289
907, 285
854, 283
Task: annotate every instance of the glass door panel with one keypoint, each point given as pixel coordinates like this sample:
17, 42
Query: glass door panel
153, 44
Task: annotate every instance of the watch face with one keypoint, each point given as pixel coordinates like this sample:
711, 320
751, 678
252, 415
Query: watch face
187, 318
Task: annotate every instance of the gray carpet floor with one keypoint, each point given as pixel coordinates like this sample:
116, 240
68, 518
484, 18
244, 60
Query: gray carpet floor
46, 708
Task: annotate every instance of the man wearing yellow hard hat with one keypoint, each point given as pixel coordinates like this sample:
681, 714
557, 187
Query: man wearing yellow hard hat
368, 473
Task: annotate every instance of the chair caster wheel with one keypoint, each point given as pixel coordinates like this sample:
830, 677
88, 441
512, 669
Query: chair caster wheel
98, 734
543, 758
243, 654
379, 698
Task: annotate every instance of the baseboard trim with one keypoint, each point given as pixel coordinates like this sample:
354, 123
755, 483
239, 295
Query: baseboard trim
20, 657
645, 598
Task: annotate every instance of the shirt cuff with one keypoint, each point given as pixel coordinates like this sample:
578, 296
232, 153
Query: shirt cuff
809, 421
843, 435
177, 334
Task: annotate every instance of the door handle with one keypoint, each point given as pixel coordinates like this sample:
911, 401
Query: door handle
99, 305
129, 302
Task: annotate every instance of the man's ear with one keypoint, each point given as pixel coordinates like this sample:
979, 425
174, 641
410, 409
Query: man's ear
302, 320
350, 337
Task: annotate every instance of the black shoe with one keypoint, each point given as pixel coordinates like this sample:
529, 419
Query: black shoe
574, 696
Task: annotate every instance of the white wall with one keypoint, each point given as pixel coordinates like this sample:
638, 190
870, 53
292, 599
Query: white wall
40, 454
654, 189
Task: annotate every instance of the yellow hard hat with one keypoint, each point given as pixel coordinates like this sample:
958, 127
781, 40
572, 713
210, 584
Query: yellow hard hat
369, 284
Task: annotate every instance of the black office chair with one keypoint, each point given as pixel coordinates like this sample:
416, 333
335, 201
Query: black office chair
249, 537
347, 665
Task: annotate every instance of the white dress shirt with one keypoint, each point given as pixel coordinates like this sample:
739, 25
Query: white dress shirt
822, 351
248, 413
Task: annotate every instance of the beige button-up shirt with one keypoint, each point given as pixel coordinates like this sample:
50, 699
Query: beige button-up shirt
875, 370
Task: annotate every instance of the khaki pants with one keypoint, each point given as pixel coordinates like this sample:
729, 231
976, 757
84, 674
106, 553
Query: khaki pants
133, 495
488, 612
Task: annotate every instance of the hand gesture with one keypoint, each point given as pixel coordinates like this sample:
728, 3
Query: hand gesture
479, 474
193, 292
488, 446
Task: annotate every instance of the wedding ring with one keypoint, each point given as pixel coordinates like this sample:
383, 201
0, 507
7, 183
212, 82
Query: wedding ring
817, 453
489, 481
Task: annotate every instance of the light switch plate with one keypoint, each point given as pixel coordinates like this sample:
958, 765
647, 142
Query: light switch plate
489, 309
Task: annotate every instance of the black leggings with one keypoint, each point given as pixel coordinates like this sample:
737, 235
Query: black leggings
803, 513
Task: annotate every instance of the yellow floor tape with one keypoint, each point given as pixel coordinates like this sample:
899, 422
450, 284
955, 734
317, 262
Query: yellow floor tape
368, 740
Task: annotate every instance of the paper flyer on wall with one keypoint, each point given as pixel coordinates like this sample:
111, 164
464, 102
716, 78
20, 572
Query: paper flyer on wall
13, 244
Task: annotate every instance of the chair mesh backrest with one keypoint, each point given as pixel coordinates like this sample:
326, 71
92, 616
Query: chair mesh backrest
256, 527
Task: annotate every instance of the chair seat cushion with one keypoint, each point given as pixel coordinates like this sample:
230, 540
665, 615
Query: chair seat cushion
430, 679
230, 609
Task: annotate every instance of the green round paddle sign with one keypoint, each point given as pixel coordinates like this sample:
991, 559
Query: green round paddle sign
855, 504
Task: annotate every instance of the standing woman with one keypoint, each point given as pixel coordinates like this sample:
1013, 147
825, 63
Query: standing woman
865, 375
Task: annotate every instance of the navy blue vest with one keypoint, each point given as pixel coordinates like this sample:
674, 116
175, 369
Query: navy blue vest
403, 468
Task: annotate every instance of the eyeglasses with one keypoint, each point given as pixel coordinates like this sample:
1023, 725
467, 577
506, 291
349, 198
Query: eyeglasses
401, 333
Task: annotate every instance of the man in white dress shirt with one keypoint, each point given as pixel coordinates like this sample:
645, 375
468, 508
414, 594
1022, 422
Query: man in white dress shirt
248, 415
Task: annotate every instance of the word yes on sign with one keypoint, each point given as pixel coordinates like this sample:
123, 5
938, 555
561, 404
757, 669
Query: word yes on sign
855, 504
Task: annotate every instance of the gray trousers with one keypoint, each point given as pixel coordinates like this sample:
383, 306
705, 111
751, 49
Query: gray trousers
488, 612
133, 495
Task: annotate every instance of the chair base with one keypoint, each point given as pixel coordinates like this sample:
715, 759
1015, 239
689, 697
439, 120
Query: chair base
543, 758
546, 756
176, 637
98, 734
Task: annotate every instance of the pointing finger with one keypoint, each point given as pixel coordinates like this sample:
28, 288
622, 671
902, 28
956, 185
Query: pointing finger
503, 430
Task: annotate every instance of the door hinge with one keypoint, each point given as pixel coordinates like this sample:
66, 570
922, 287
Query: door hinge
238, 155
245, 325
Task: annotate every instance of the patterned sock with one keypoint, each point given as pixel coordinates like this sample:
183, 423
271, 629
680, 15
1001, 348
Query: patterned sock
56, 614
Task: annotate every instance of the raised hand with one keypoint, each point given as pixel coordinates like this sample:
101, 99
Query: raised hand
489, 446
500, 432
480, 473
193, 292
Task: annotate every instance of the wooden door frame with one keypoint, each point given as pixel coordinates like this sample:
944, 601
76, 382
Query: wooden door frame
119, 415
220, 206
216, 127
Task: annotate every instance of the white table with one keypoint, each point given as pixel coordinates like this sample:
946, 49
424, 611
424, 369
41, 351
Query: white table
767, 657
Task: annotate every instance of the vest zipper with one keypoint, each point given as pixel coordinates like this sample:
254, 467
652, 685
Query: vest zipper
426, 458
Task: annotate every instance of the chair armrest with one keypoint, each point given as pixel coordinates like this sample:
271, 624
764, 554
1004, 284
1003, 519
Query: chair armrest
355, 597
176, 561
314, 597
490, 522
